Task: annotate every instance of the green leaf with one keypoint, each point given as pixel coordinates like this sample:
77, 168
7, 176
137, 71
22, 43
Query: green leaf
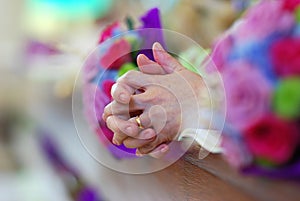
297, 14
125, 68
287, 98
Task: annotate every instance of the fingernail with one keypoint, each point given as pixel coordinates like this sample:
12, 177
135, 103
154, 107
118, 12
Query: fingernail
142, 57
123, 97
129, 130
157, 46
164, 149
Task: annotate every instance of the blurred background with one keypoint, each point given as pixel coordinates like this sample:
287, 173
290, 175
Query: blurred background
43, 44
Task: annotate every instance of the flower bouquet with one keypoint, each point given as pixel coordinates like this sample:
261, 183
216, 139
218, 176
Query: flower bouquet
116, 54
259, 60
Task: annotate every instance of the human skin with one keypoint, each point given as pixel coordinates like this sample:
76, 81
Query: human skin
167, 98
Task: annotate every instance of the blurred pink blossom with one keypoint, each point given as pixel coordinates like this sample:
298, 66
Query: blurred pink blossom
248, 94
262, 20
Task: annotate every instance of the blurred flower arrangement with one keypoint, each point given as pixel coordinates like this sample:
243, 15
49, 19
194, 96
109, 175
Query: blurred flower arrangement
115, 55
259, 60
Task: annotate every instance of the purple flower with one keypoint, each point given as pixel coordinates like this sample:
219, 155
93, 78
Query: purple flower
290, 171
149, 36
88, 194
53, 154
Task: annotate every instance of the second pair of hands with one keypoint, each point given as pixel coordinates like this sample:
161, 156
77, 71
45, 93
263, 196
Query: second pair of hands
166, 96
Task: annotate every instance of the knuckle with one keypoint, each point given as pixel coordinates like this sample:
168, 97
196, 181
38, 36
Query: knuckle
116, 108
110, 123
119, 137
144, 98
114, 89
128, 144
113, 125
107, 110
153, 96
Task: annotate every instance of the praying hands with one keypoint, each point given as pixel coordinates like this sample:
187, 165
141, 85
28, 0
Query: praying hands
152, 107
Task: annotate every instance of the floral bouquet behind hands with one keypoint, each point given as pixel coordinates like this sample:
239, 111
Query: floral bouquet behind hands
259, 60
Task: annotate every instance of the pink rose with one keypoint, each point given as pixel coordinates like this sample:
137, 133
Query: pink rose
262, 20
117, 55
272, 139
248, 94
285, 55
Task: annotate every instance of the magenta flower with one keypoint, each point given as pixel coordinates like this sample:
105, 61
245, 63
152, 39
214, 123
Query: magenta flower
272, 139
248, 94
117, 55
286, 56
105, 135
291, 5
106, 86
109, 32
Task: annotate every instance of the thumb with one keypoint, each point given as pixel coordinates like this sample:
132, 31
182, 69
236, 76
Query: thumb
168, 63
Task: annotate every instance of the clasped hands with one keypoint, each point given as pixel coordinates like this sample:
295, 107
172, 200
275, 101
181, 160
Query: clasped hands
152, 106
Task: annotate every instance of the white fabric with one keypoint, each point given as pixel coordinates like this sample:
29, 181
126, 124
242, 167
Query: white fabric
208, 139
